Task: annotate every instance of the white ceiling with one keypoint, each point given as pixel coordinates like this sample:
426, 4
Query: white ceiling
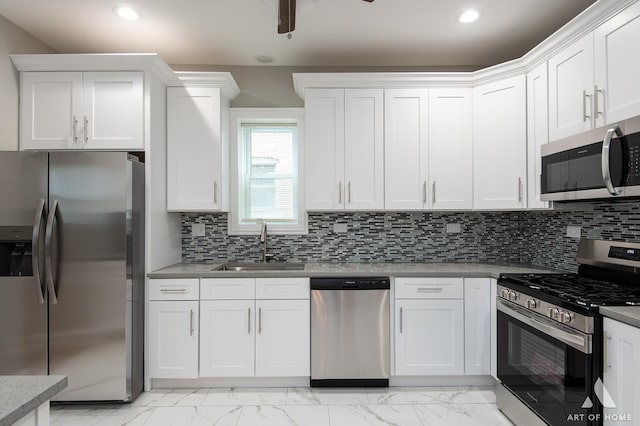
409, 33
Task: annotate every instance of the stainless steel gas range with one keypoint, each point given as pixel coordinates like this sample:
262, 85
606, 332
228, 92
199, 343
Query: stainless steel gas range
550, 340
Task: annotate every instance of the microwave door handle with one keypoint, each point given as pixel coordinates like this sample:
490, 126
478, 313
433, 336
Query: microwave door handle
35, 249
48, 252
606, 170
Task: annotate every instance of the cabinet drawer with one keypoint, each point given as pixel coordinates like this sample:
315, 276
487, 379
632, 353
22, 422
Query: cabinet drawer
429, 288
282, 288
174, 289
227, 288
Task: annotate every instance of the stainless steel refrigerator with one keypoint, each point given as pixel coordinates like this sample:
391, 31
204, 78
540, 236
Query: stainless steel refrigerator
72, 270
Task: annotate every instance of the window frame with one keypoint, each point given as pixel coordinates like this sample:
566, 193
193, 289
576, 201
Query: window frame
238, 116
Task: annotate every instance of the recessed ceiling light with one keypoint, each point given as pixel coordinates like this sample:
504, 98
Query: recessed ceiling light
265, 59
468, 16
127, 13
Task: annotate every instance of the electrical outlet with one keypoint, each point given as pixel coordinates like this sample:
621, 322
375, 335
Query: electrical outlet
339, 228
197, 230
574, 231
454, 228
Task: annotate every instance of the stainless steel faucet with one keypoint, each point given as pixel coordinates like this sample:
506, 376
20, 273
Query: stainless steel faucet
263, 240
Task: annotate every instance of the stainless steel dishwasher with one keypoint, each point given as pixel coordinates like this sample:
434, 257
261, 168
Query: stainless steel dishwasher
350, 332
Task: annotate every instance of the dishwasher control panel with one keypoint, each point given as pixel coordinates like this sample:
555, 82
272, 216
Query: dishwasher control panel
355, 283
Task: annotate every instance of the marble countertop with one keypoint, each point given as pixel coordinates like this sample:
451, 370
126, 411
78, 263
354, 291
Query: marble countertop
626, 314
20, 395
332, 269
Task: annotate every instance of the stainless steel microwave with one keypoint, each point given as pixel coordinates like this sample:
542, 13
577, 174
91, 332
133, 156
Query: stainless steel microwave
600, 163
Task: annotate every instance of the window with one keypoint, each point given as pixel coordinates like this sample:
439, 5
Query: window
266, 171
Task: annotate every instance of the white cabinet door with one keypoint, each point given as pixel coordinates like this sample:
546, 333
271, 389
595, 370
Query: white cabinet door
429, 337
113, 107
406, 123
621, 372
227, 330
196, 161
571, 89
477, 326
173, 339
51, 110
500, 144
537, 132
282, 339
324, 149
450, 149
364, 149
616, 67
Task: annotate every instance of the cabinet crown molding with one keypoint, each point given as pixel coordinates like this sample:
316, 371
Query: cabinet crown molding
222, 80
149, 62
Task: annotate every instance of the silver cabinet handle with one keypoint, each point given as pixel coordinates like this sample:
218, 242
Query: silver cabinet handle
429, 289
519, 189
174, 290
349, 192
585, 117
605, 350
339, 192
74, 128
259, 320
190, 322
48, 252
433, 192
606, 171
596, 111
249, 321
35, 251
400, 320
86, 129
424, 192
215, 192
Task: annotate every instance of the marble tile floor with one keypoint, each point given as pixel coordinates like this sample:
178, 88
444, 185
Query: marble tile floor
408, 406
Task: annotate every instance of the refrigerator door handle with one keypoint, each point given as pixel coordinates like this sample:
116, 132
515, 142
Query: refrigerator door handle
35, 244
48, 252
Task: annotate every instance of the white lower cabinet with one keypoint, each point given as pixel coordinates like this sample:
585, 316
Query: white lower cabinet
283, 339
173, 328
621, 372
227, 338
477, 326
429, 331
173, 339
261, 338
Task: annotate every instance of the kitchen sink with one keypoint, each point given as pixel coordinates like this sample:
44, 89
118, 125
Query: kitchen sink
274, 266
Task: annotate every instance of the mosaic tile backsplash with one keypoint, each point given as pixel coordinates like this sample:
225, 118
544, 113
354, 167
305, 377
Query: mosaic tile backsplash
535, 237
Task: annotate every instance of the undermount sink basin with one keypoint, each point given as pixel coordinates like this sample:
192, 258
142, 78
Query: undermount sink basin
275, 266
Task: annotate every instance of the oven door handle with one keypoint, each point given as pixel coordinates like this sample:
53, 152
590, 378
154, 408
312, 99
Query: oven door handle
577, 340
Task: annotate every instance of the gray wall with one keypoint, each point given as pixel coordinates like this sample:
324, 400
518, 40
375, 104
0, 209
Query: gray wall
535, 237
13, 40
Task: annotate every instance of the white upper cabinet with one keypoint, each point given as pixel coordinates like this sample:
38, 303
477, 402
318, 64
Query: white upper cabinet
75, 110
344, 149
617, 85
571, 89
500, 144
364, 149
537, 132
406, 148
324, 149
197, 174
450, 149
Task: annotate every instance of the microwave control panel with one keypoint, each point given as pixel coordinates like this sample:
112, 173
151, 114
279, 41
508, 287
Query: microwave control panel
633, 177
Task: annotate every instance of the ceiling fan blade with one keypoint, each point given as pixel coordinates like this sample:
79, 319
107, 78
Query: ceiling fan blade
286, 16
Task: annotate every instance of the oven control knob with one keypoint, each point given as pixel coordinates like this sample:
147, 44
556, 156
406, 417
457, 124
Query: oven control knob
565, 317
553, 313
513, 296
504, 293
532, 303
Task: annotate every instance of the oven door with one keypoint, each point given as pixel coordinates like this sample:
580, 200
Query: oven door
548, 366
